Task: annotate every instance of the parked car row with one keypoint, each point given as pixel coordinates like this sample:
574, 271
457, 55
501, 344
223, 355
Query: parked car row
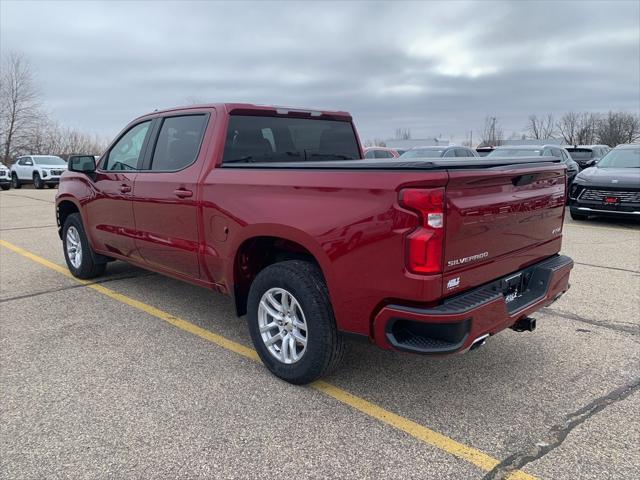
539, 151
39, 170
600, 181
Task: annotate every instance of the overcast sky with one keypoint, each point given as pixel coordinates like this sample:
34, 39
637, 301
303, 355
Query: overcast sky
434, 67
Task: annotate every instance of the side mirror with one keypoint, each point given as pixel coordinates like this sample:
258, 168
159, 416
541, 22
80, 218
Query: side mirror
83, 164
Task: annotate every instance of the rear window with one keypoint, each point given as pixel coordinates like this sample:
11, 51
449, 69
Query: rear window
580, 153
284, 139
383, 154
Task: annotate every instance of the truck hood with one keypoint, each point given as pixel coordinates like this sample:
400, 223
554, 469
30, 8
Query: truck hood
610, 177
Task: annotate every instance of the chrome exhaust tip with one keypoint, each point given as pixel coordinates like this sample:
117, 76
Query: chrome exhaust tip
478, 342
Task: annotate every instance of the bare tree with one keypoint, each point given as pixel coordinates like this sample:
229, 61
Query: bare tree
568, 128
402, 134
491, 134
618, 127
19, 105
541, 128
586, 129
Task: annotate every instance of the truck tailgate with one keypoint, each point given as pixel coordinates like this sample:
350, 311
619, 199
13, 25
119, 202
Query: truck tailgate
499, 220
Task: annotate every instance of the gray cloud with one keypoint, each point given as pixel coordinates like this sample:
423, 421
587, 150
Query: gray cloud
434, 67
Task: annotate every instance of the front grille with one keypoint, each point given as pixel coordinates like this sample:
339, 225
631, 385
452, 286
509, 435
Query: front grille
593, 195
56, 172
2, 173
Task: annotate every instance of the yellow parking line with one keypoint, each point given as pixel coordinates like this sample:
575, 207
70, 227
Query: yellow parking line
424, 434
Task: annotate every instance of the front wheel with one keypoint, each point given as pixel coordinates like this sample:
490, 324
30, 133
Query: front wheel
4, 187
15, 181
291, 322
78, 254
37, 181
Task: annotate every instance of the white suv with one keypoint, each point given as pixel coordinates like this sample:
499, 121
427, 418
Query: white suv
40, 170
5, 177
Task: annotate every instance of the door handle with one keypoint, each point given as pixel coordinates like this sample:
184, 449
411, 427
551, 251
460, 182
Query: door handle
183, 193
125, 188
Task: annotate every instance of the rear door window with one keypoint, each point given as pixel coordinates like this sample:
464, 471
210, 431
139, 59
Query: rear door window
370, 154
178, 142
286, 139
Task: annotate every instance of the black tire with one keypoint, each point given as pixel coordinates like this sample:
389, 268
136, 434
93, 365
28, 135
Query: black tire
37, 181
5, 187
578, 216
325, 346
15, 181
90, 266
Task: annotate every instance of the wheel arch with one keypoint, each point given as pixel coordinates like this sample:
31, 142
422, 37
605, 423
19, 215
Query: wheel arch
257, 251
64, 208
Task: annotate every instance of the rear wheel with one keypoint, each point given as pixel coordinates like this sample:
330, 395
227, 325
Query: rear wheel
578, 216
81, 259
291, 322
15, 181
37, 181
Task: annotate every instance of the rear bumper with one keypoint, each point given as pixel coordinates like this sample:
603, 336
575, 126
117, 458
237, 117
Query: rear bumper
459, 321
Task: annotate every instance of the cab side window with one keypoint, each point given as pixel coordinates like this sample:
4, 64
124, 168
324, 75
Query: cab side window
126, 153
178, 142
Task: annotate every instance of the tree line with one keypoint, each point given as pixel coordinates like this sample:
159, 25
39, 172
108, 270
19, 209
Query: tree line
573, 128
26, 127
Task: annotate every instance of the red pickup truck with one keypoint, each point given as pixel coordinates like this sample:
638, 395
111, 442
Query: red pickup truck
276, 208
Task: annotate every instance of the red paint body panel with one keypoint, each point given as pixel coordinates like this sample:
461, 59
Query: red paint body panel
349, 221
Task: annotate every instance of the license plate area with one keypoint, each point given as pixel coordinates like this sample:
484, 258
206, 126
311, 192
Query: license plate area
513, 287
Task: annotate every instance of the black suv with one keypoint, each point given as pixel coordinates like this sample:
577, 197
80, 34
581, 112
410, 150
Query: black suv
610, 188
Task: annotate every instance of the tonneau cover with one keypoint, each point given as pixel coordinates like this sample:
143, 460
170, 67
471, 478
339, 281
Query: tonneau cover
386, 164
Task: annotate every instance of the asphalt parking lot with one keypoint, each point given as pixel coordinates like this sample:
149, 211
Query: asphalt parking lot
141, 376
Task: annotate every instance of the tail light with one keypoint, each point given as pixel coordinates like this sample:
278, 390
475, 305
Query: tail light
424, 245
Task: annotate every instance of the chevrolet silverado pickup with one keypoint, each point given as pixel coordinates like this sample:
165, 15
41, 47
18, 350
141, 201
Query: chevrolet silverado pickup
277, 208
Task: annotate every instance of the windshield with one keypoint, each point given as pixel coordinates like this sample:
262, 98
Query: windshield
49, 160
580, 153
287, 139
621, 158
516, 152
423, 153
